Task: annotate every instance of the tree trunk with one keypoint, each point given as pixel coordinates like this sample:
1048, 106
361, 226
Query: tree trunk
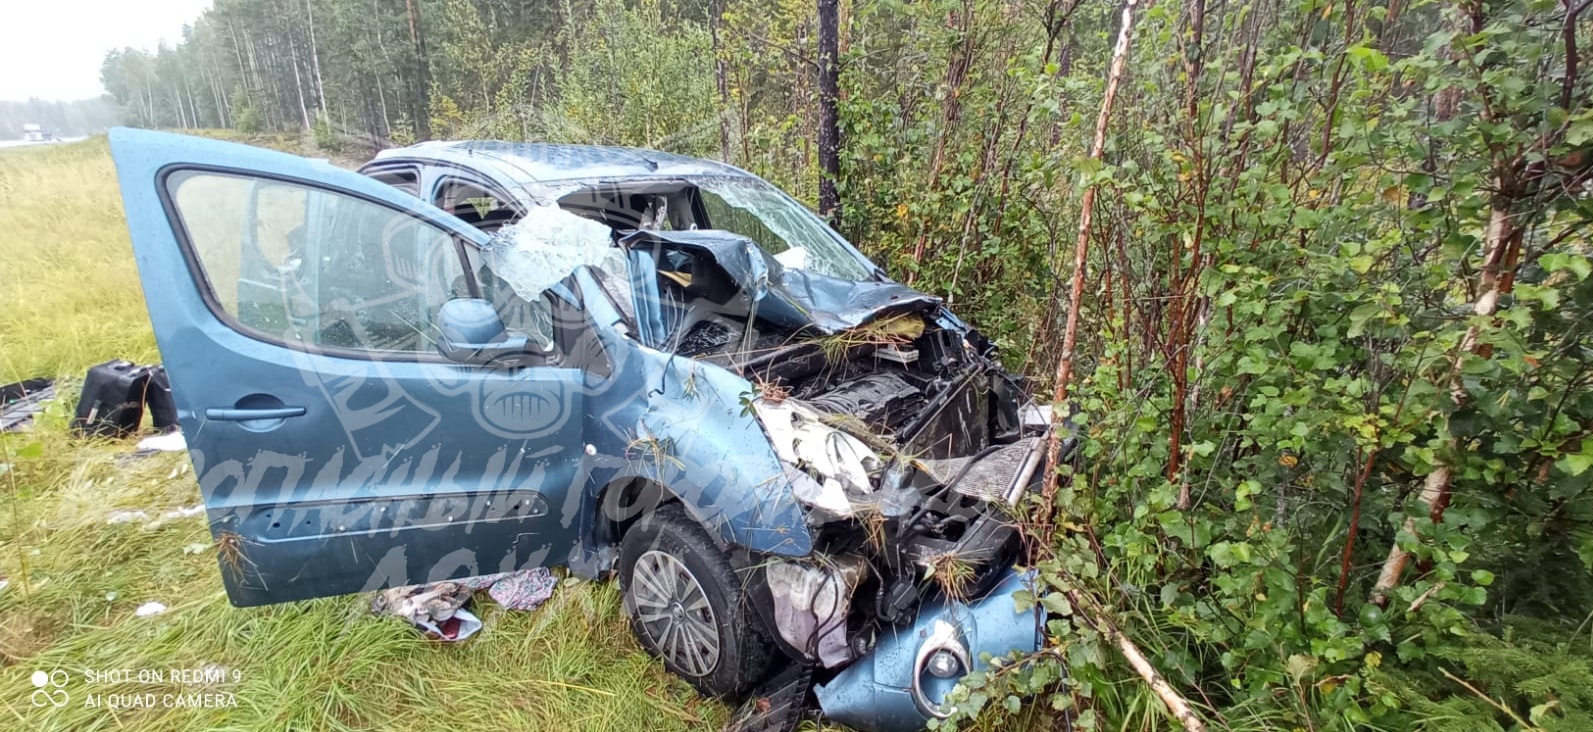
315, 58
386, 131
951, 108
829, 114
420, 103
721, 79
1186, 303
298, 82
1436, 488
1064, 365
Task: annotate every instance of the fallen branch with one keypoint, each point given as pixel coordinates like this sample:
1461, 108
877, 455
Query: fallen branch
1176, 703
1422, 599
1490, 700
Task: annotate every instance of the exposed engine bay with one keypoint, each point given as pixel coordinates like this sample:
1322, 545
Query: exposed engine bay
902, 436
905, 439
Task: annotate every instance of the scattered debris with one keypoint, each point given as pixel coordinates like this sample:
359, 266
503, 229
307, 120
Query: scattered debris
149, 610
197, 547
215, 673
169, 442
183, 512
20, 401
778, 705
126, 516
525, 590
460, 626
439, 609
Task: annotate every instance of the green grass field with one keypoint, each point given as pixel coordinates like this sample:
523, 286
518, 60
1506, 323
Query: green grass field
69, 298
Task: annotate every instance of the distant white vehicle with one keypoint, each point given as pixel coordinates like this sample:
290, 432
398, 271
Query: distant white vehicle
35, 133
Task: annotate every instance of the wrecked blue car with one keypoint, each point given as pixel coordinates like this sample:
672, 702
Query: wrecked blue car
476, 357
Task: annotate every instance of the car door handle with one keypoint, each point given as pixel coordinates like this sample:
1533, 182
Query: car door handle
234, 414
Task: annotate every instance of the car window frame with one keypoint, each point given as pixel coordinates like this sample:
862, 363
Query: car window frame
207, 293
399, 170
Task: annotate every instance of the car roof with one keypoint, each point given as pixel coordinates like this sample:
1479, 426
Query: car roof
544, 170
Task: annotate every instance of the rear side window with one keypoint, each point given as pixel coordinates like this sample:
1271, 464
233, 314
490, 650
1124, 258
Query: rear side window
316, 267
475, 205
405, 179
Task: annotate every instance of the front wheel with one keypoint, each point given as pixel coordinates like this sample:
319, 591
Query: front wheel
687, 606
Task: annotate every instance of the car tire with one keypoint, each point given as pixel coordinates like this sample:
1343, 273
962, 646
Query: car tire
687, 605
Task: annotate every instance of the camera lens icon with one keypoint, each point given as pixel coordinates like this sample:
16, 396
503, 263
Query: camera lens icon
48, 691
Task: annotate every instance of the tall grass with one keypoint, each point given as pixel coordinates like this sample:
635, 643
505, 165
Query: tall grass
69, 298
68, 286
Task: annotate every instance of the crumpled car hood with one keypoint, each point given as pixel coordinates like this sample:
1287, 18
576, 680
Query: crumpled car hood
788, 297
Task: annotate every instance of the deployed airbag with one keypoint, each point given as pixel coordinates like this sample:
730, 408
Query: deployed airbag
547, 245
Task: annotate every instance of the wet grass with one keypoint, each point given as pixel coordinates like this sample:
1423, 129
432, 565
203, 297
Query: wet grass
69, 298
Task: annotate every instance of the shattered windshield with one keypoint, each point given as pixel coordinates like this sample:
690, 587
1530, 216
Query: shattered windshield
784, 228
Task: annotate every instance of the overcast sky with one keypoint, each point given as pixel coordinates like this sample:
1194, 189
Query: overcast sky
52, 49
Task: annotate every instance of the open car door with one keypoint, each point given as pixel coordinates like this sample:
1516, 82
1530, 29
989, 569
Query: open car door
302, 314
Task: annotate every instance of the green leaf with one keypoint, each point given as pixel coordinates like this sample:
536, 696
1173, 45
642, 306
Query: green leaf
1228, 554
1541, 711
1057, 603
1370, 59
1576, 263
1300, 665
1576, 464
1360, 315
1581, 131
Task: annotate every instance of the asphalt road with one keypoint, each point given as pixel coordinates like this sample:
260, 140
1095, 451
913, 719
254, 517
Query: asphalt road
24, 143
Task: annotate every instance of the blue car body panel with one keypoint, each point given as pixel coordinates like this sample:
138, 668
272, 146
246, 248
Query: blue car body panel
396, 471
683, 425
875, 693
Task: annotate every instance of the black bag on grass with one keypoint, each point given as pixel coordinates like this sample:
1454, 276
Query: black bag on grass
112, 404
157, 396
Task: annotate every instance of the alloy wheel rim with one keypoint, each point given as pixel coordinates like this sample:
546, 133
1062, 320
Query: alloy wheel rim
674, 611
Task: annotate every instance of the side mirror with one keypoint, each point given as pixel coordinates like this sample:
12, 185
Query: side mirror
470, 331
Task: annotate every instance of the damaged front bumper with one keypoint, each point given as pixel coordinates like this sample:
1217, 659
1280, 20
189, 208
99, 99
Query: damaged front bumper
902, 683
